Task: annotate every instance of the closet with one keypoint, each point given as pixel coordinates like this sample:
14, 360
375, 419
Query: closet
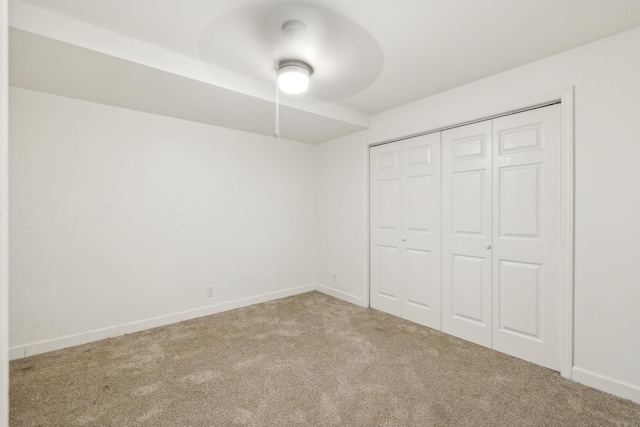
465, 232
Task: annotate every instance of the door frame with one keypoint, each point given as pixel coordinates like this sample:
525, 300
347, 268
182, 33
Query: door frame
4, 212
566, 99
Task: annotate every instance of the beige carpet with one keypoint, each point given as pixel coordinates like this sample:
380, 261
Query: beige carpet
308, 360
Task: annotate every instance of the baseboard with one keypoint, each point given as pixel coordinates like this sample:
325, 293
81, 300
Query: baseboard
340, 295
606, 384
40, 347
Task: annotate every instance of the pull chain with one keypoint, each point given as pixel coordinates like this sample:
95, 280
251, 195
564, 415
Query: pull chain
277, 133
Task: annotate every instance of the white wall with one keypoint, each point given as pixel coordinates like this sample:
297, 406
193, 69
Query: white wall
4, 223
342, 170
119, 217
607, 193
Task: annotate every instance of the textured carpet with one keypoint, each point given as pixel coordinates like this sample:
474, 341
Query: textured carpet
308, 360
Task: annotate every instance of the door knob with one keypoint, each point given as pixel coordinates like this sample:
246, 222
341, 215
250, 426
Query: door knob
404, 239
488, 246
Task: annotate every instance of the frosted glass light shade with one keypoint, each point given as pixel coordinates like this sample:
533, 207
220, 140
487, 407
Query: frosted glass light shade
293, 79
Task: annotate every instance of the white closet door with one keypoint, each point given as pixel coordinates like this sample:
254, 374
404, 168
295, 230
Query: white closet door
466, 232
386, 228
526, 236
421, 230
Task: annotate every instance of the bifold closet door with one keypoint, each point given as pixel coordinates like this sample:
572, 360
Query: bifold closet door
501, 183
405, 229
526, 235
466, 232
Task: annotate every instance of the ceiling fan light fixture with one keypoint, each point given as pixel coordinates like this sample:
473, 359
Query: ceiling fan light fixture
293, 76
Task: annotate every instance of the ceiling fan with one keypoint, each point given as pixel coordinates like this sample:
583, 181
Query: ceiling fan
302, 46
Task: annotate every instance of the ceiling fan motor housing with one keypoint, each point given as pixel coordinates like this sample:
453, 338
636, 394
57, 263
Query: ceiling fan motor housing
294, 30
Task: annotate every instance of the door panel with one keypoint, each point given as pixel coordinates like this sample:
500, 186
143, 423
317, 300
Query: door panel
469, 285
388, 190
468, 195
417, 276
385, 232
466, 221
418, 199
388, 271
421, 230
519, 298
519, 200
526, 240
471, 147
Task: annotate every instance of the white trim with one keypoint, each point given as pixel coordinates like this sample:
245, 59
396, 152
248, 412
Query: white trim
4, 215
353, 299
607, 384
567, 167
566, 98
32, 349
367, 239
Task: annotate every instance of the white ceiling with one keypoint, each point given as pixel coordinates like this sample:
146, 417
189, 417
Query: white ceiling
371, 56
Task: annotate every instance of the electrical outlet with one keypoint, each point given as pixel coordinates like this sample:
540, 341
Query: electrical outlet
209, 291
335, 277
